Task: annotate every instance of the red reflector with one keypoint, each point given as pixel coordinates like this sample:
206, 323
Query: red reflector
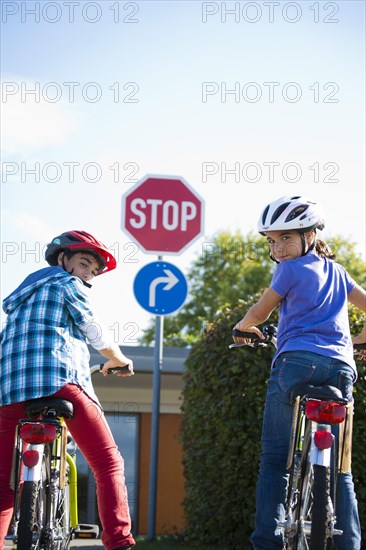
30, 458
38, 433
323, 439
325, 411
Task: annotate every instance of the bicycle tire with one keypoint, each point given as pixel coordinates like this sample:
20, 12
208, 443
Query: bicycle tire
321, 508
314, 508
31, 515
33, 508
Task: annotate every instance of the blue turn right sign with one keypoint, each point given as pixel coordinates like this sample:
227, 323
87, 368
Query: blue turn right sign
160, 288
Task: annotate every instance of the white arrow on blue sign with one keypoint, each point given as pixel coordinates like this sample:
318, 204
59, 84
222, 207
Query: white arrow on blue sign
160, 288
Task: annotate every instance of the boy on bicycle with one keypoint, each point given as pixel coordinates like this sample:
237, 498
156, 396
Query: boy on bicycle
313, 346
45, 353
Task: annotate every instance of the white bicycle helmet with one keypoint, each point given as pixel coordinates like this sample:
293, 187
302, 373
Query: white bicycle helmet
293, 213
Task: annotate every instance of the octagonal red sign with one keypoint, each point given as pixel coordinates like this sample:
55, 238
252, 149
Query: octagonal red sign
163, 214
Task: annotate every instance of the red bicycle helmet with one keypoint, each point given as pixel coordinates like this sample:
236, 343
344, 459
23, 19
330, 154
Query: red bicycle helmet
80, 241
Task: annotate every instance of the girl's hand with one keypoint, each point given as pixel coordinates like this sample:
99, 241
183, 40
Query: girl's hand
360, 339
245, 328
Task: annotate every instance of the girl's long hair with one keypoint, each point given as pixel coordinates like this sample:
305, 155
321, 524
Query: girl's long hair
324, 250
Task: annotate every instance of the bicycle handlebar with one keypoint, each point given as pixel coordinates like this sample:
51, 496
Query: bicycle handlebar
269, 332
241, 334
360, 351
128, 369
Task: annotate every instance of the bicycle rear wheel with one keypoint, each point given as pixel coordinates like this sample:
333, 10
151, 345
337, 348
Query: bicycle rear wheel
32, 512
322, 508
315, 508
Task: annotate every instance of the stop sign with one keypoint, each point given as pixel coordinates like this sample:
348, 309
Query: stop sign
163, 214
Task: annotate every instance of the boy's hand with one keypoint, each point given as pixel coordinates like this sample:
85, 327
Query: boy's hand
111, 364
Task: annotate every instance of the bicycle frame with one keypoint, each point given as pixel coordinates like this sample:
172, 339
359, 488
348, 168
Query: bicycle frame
310, 512
317, 454
37, 440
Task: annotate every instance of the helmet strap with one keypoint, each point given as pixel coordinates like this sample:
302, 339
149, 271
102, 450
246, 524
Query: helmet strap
303, 244
63, 263
273, 258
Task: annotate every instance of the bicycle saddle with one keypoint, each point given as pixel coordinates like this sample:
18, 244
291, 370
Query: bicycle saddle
61, 407
317, 392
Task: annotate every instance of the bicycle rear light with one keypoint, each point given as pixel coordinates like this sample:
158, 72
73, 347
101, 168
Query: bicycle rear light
325, 411
30, 458
38, 433
323, 439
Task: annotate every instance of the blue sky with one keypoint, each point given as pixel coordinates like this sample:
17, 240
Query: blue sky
146, 88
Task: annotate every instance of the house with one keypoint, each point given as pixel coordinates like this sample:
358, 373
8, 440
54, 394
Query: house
127, 403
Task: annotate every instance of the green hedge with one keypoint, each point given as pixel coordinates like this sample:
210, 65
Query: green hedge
223, 402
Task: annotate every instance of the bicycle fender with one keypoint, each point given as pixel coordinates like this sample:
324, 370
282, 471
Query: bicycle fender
320, 457
34, 473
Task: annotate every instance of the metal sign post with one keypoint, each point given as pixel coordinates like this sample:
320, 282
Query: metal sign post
158, 362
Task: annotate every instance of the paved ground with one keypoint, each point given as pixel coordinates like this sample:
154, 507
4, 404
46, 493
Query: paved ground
85, 544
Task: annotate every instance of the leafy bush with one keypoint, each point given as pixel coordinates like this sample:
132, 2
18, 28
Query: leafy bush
223, 403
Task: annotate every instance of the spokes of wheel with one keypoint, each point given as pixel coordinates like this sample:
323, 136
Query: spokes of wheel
62, 520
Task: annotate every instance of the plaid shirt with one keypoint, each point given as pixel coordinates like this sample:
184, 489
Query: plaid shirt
43, 344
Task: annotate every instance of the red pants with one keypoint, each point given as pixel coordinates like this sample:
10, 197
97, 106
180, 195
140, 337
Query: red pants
92, 434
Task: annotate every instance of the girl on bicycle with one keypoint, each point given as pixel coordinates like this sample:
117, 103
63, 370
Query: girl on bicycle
314, 346
45, 353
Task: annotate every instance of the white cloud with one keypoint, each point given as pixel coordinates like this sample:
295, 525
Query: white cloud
33, 227
30, 121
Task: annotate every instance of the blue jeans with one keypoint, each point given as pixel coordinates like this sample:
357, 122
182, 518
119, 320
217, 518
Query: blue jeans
289, 370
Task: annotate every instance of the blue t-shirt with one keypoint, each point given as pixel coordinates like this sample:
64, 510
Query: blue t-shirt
313, 312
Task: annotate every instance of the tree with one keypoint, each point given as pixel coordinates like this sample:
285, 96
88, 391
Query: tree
231, 267
348, 257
